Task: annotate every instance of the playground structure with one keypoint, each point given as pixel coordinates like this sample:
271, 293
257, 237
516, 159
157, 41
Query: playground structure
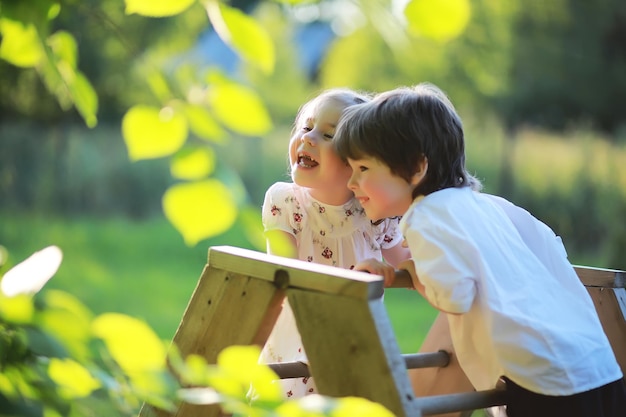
346, 332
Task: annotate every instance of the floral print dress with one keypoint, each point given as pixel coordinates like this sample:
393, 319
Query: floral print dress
339, 236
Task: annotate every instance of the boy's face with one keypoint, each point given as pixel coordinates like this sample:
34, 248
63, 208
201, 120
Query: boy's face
381, 193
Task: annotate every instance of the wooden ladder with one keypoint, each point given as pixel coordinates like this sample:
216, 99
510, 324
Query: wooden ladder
346, 332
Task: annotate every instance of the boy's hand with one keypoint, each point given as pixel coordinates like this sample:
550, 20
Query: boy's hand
409, 266
374, 266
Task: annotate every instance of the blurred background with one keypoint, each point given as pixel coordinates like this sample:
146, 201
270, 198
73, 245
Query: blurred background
541, 88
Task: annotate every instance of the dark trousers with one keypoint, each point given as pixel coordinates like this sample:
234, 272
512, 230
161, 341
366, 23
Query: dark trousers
606, 401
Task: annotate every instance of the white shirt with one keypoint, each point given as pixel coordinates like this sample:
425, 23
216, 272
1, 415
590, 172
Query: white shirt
338, 236
523, 311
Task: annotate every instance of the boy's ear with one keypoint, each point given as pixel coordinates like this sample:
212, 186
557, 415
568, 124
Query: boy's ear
420, 171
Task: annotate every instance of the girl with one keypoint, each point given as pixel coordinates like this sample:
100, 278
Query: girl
516, 307
319, 218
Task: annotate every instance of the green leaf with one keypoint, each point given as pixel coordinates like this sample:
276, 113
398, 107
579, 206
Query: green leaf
241, 363
203, 124
441, 20
153, 133
85, 98
250, 217
157, 8
73, 380
243, 34
65, 81
16, 309
200, 210
35, 12
239, 108
60, 309
64, 47
193, 164
355, 406
20, 44
131, 342
45, 344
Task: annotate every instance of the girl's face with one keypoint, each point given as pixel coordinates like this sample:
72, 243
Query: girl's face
314, 163
381, 193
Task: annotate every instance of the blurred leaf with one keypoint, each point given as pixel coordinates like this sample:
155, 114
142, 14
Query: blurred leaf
195, 370
64, 47
239, 108
309, 406
440, 20
253, 227
30, 275
20, 44
44, 344
36, 12
354, 406
153, 133
69, 320
17, 406
73, 379
193, 164
17, 309
157, 8
158, 83
203, 124
200, 210
242, 364
200, 396
131, 342
243, 34
280, 244
85, 98
65, 81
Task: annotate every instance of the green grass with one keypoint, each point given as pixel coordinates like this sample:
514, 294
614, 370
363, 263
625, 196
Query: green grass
145, 270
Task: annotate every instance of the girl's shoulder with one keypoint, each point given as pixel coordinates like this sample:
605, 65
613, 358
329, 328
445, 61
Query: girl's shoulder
285, 192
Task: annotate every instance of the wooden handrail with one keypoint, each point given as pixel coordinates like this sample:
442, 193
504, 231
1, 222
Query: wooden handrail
589, 276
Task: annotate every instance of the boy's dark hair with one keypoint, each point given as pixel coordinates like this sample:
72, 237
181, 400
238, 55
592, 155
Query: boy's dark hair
402, 126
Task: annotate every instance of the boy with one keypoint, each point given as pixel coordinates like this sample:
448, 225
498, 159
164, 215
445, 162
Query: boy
515, 305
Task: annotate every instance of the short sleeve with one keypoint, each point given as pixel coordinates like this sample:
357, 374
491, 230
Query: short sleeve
444, 263
279, 206
388, 233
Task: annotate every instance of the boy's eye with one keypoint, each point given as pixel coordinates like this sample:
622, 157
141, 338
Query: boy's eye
306, 128
328, 136
362, 168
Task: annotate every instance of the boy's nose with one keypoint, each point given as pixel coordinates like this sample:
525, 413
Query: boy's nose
352, 183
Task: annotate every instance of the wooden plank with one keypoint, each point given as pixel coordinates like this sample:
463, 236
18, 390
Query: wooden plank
352, 350
296, 273
225, 309
607, 303
601, 277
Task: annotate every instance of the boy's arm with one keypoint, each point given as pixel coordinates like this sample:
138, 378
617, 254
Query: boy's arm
409, 266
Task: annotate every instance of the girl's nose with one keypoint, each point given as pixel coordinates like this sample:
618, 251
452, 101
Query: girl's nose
309, 137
